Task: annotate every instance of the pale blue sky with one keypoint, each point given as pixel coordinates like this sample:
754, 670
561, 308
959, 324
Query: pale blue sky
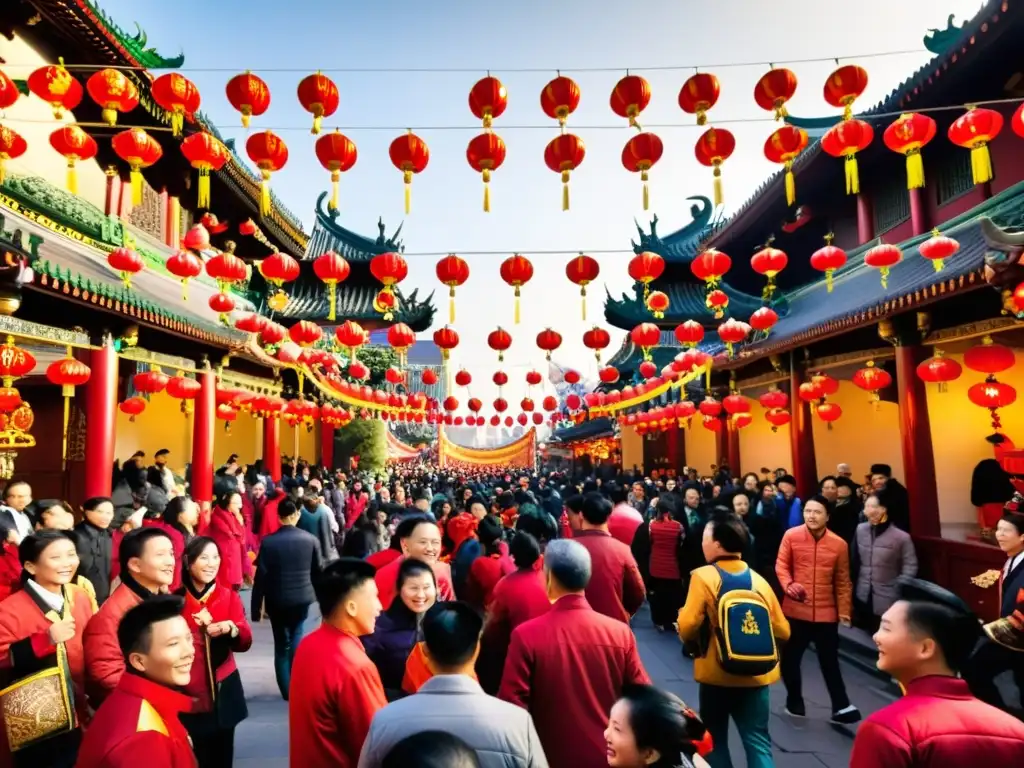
228, 36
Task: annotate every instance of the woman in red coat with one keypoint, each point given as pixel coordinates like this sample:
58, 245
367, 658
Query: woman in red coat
10, 565
41, 628
488, 569
219, 629
228, 530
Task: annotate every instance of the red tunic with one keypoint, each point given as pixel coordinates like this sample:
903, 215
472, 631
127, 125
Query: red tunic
138, 725
387, 581
616, 588
938, 724
10, 570
104, 662
665, 538
336, 691
568, 668
484, 575
564, 528
223, 604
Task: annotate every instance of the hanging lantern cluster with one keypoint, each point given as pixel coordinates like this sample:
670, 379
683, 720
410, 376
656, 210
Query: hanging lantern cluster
67, 373
564, 153
582, 270
486, 152
991, 358
390, 269
516, 270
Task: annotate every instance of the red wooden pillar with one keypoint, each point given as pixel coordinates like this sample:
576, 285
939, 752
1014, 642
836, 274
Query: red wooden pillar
327, 445
916, 437
865, 220
801, 437
732, 446
918, 211
272, 448
100, 420
721, 446
202, 440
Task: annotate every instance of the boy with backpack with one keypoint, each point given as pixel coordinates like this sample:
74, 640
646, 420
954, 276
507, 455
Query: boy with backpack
733, 623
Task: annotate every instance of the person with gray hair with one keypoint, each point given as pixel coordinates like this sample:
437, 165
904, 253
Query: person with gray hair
571, 664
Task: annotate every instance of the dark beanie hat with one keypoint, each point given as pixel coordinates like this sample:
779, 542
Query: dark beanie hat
881, 469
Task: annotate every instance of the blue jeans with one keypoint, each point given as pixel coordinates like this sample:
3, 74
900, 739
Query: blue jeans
288, 626
750, 708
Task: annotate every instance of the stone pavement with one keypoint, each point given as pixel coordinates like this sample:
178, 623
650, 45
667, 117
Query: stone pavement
261, 741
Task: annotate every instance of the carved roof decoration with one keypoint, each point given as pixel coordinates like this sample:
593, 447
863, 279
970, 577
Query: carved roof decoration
329, 235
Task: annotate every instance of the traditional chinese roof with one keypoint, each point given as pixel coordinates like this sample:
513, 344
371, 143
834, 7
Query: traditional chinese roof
329, 235
587, 430
682, 245
858, 297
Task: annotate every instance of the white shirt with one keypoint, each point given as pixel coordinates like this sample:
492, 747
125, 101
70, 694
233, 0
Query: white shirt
21, 521
1011, 563
56, 602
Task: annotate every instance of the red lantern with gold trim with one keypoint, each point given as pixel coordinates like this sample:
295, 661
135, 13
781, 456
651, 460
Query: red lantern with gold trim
226, 269
305, 333
939, 370
582, 270
872, 379
938, 248
699, 93
269, 152
828, 259
993, 395
410, 155
657, 304
769, 261
9, 92
828, 412
67, 373
908, 135
179, 96
127, 262
717, 301
485, 154
516, 270
184, 265
446, 339
646, 267
56, 86
389, 268
689, 333
733, 332
559, 99
488, 99
113, 91
563, 155
713, 148
331, 269
646, 336
989, 357
596, 339
132, 407
710, 266
139, 150
249, 94
12, 146
499, 340
319, 96
883, 257
783, 147
337, 154
774, 89
453, 272
844, 86
640, 155
777, 417
548, 341
764, 319
845, 140
205, 153
974, 130
630, 97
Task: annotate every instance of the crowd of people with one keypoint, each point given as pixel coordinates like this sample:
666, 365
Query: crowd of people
481, 617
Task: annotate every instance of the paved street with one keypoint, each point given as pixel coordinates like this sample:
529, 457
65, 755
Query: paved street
262, 740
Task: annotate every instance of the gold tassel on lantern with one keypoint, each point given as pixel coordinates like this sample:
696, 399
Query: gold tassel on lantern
583, 301
335, 178
828, 279
265, 194
565, 193
719, 199
72, 177
647, 194
407, 178
67, 391
486, 173
790, 183
332, 286
516, 313
852, 176
203, 191
981, 164
451, 304
136, 180
915, 169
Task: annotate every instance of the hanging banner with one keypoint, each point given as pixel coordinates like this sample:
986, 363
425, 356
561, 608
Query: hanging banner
399, 451
520, 453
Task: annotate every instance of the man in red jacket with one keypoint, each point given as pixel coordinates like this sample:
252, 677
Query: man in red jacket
924, 641
147, 563
616, 587
568, 667
420, 539
138, 723
335, 688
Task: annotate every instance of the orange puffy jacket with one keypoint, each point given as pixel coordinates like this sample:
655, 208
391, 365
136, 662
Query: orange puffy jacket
822, 567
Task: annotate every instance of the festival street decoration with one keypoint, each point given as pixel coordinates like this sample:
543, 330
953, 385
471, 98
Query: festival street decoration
319, 96
908, 135
410, 155
828, 259
699, 93
582, 270
516, 270
337, 154
775, 88
713, 148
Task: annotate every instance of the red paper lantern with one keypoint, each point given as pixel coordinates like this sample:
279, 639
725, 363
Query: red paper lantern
183, 388
844, 86
55, 85
526, 404
810, 391
630, 97
8, 91
828, 259
252, 322
774, 399
563, 155
733, 332
713, 148
453, 272
777, 417
319, 96
205, 153
450, 404
446, 339
463, 378
783, 147
485, 154
774, 89
332, 269
269, 152
500, 378
1017, 297
390, 269
710, 407
548, 341
872, 379
940, 370
828, 412
883, 257
178, 95
500, 405
938, 248
132, 407
68, 373
710, 266
989, 357
127, 263
993, 395
769, 262
222, 303
582, 270
689, 333
646, 336
401, 338
113, 91
249, 94
764, 319
845, 140
736, 403
516, 270
226, 269
571, 377
12, 146
278, 269
272, 334
639, 156
657, 304
699, 94
358, 371
596, 339
499, 340
139, 150
826, 384
974, 130
573, 402
608, 375
717, 301
646, 267
533, 378
559, 98
488, 100
305, 333
394, 376
648, 369
150, 382
410, 155
908, 135
1017, 121
337, 154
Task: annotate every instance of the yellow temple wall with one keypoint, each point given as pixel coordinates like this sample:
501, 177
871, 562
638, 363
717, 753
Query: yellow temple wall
700, 447
161, 425
33, 119
760, 447
867, 433
245, 439
308, 443
632, 449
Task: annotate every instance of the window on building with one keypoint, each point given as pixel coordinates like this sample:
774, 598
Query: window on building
892, 206
954, 177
